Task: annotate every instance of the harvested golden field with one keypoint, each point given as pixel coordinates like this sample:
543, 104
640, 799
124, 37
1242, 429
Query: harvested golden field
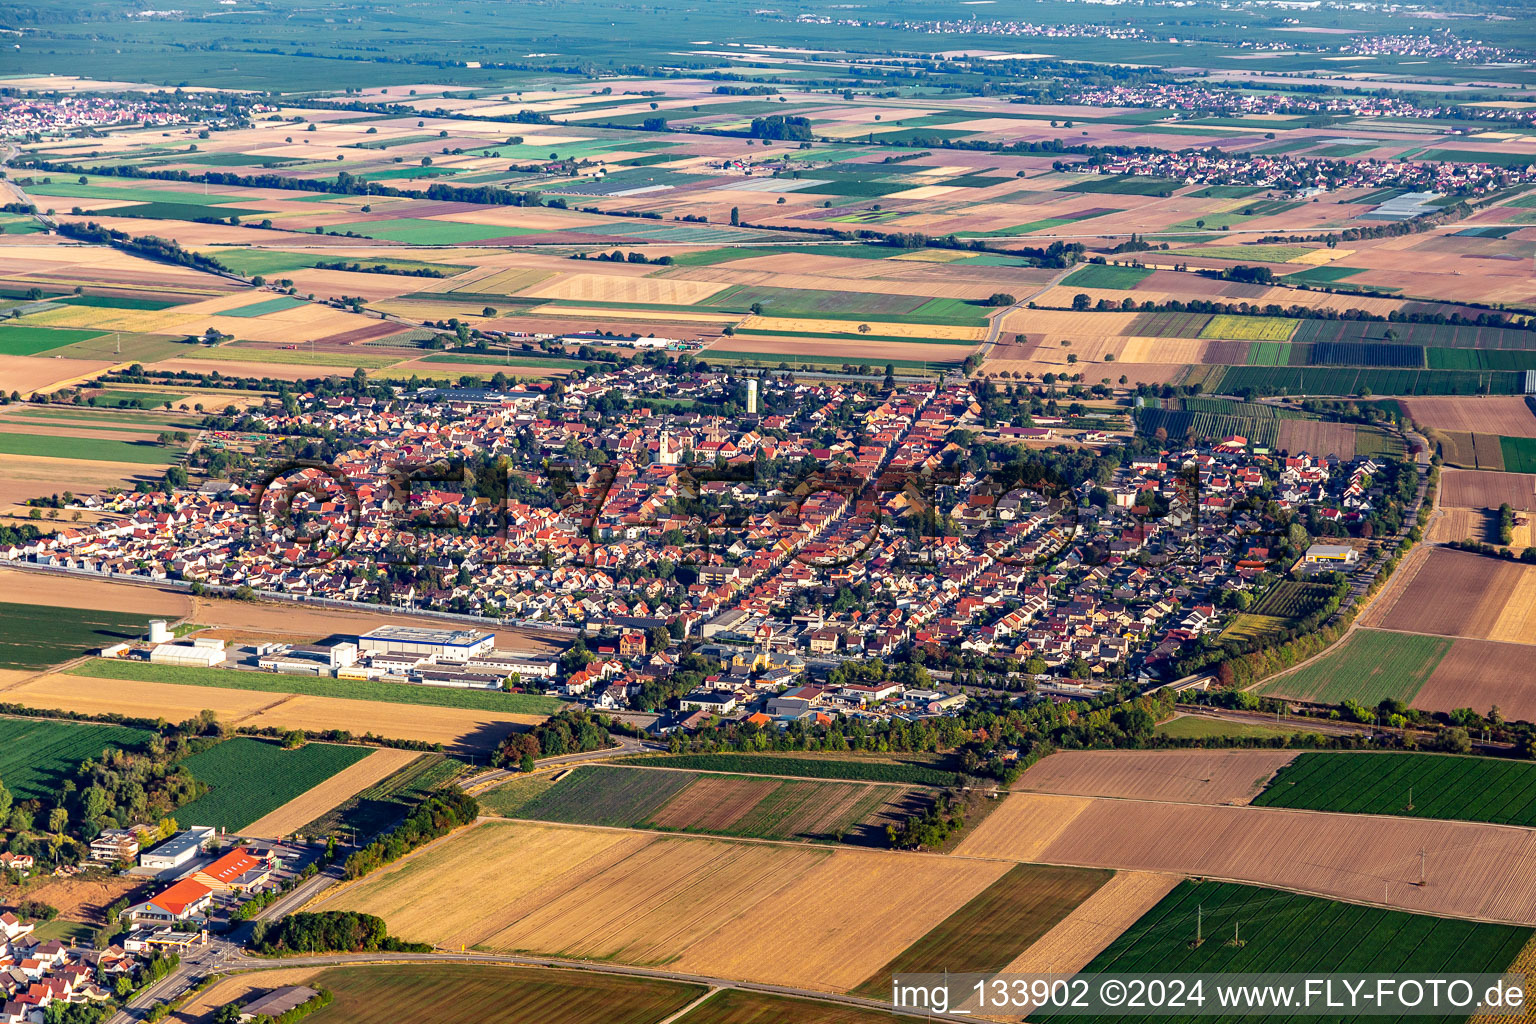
792, 325
625, 288
886, 901
457, 728
1487, 414
1094, 924
63, 591
1455, 524
27, 374
1517, 621
1067, 324
237, 988
344, 785
1480, 488
659, 901
35, 476
706, 905
1482, 872
174, 703
1457, 593
1185, 776
516, 867
596, 313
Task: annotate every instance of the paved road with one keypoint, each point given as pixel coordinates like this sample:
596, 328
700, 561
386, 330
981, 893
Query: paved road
995, 328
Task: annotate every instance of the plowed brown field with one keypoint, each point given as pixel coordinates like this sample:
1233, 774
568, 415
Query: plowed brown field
1477, 488
1317, 437
713, 803
1508, 415
1484, 872
1478, 674
1186, 776
1453, 593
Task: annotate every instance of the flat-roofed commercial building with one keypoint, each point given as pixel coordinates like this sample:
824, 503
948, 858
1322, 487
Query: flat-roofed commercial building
439, 644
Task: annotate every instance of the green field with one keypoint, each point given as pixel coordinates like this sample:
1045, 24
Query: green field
35, 636
488, 994
1439, 786
421, 231
735, 1006
314, 686
16, 340
782, 809
387, 801
119, 302
1323, 275
616, 797
913, 771
36, 756
1096, 275
249, 778
1519, 454
1259, 253
1368, 667
1193, 727
265, 306
269, 261
997, 924
1284, 932
93, 449
123, 398
1124, 184
1248, 328
1292, 599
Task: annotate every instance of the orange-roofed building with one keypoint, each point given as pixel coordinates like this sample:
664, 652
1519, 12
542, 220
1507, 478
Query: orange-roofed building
237, 871
183, 901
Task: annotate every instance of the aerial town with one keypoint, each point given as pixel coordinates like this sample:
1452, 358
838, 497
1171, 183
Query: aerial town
585, 513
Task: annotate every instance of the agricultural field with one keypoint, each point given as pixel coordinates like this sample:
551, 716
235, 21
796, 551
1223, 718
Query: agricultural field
1368, 667
697, 905
1356, 857
1465, 488
380, 805
1185, 776
37, 755
34, 636
1458, 594
1415, 785
1197, 727
1249, 328
249, 779
465, 730
987, 933
494, 994
911, 769
732, 805
738, 1006
531, 705
334, 791
1102, 276
1292, 599
1285, 932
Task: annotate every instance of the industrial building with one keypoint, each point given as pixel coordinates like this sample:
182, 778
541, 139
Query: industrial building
179, 850
206, 652
443, 645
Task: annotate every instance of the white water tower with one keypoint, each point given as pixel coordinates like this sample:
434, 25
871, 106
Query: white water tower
159, 632
751, 396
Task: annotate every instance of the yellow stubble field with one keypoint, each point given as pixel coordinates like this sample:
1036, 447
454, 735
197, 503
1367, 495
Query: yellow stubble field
700, 905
